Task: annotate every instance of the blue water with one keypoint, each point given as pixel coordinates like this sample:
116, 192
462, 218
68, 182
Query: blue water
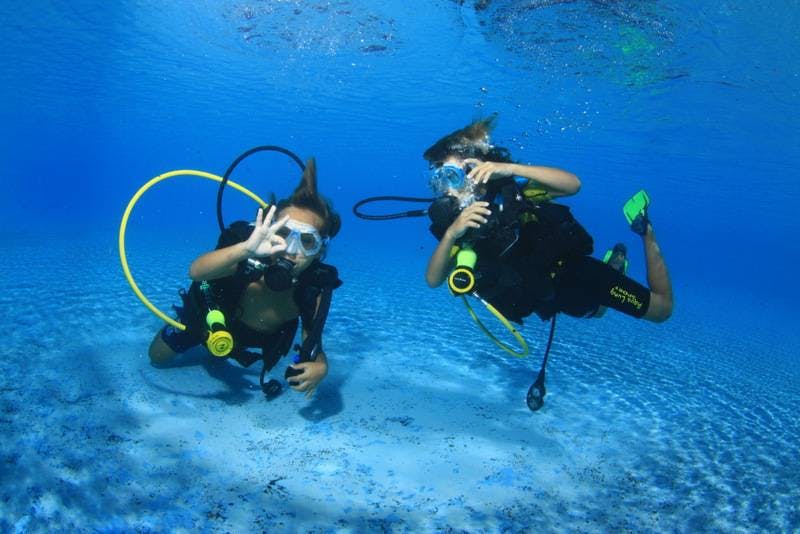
421, 425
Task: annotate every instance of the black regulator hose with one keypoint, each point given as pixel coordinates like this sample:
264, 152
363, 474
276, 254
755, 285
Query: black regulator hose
271, 148
388, 216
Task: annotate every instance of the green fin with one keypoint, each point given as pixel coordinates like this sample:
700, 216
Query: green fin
636, 205
607, 257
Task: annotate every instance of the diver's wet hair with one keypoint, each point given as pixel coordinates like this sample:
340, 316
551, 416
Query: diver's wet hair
307, 197
471, 141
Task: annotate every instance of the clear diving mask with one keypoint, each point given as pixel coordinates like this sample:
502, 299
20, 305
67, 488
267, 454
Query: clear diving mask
300, 238
448, 176
451, 179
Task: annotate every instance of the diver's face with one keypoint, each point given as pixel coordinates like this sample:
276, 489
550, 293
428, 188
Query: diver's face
298, 219
459, 184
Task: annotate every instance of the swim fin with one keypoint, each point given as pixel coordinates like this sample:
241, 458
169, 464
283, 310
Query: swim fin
635, 210
619, 248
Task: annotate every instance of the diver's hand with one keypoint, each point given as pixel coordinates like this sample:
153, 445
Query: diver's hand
263, 241
473, 216
311, 375
488, 170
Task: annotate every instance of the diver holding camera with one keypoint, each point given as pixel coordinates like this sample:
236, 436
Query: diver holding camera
533, 256
503, 241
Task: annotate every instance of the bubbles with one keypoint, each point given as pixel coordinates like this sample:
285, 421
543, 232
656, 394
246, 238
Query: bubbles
627, 43
313, 28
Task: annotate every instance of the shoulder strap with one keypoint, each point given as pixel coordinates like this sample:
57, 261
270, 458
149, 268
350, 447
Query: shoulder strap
318, 282
313, 341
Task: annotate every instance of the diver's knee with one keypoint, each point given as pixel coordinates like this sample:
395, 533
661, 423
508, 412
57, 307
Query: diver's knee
158, 358
159, 352
660, 308
662, 314
661, 317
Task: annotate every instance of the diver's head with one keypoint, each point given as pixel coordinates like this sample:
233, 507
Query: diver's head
311, 223
471, 141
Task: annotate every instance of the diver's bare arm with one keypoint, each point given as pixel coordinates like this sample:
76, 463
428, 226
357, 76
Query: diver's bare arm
557, 182
262, 242
440, 261
660, 308
473, 216
218, 263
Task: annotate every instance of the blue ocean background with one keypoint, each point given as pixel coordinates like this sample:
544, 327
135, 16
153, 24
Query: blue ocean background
421, 425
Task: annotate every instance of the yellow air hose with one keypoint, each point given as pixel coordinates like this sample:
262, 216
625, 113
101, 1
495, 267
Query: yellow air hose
523, 352
124, 225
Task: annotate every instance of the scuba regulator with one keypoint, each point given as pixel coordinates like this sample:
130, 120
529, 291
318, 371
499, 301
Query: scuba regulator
462, 278
219, 340
278, 275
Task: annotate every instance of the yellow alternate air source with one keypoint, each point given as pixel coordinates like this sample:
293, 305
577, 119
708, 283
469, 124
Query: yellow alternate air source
220, 341
124, 226
523, 351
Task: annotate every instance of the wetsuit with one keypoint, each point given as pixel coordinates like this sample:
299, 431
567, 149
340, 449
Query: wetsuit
548, 269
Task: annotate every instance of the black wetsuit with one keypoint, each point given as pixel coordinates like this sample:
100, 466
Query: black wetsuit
549, 269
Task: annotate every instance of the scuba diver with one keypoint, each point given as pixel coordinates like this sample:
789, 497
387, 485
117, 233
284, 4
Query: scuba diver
531, 255
261, 280
504, 242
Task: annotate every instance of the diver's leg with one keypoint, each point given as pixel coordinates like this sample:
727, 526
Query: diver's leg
616, 258
159, 351
660, 307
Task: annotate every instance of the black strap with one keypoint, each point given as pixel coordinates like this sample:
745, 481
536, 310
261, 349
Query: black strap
387, 216
313, 339
271, 354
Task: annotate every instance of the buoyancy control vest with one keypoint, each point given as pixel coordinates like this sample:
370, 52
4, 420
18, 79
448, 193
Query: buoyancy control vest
521, 249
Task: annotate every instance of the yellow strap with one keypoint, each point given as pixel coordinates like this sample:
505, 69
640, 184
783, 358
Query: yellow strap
536, 193
124, 225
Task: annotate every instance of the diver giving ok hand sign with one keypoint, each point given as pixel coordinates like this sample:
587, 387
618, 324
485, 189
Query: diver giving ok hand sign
264, 240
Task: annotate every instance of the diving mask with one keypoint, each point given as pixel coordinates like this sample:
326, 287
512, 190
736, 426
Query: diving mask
452, 179
448, 176
300, 238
